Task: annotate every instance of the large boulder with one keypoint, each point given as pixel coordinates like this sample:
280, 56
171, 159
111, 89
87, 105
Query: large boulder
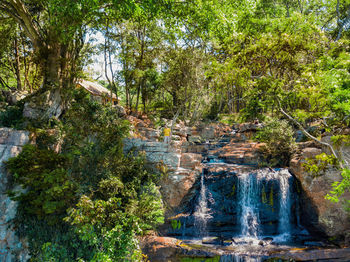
319, 214
176, 185
44, 106
240, 153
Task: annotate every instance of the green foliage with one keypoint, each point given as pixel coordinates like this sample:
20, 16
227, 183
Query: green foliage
228, 119
12, 116
49, 189
110, 223
110, 198
280, 143
46, 241
339, 188
340, 140
318, 165
200, 259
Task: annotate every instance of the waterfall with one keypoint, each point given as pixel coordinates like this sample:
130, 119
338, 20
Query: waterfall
284, 226
202, 214
262, 201
249, 197
250, 194
239, 258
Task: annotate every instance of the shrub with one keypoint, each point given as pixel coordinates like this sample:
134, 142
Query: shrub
339, 188
318, 165
42, 172
12, 116
111, 198
280, 143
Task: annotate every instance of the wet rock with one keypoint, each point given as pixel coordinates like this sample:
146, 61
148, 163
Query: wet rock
211, 240
240, 153
314, 244
160, 249
328, 255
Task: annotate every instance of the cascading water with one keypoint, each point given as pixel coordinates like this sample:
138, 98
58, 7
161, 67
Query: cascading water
284, 226
262, 202
248, 190
238, 258
201, 214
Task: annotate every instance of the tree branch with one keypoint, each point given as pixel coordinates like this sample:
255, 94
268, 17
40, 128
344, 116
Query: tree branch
17, 10
311, 136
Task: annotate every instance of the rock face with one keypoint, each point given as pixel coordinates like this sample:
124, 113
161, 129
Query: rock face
319, 214
181, 170
11, 247
44, 106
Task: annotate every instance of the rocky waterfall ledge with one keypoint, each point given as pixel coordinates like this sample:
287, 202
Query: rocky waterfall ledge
11, 247
232, 145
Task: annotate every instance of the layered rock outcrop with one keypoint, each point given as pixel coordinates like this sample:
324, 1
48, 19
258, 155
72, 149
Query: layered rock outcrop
319, 214
11, 247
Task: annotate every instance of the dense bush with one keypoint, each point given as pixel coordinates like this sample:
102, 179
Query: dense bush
43, 173
279, 142
88, 202
12, 116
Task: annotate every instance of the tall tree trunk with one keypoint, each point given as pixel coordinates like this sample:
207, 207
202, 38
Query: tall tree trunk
138, 96
108, 63
141, 38
17, 65
144, 94
26, 68
52, 56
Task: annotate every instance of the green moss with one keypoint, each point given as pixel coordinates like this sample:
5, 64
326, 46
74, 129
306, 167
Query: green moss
263, 195
175, 224
233, 191
271, 197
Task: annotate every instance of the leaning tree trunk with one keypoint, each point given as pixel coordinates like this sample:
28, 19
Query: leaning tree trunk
48, 101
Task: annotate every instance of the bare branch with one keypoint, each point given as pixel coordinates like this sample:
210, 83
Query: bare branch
311, 136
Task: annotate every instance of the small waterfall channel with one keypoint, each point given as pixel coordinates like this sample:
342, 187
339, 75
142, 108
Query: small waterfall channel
252, 192
245, 211
202, 213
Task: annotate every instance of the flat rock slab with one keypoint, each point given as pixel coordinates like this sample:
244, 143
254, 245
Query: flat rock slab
318, 255
173, 250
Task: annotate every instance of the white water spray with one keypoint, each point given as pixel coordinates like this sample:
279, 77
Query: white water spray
202, 213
